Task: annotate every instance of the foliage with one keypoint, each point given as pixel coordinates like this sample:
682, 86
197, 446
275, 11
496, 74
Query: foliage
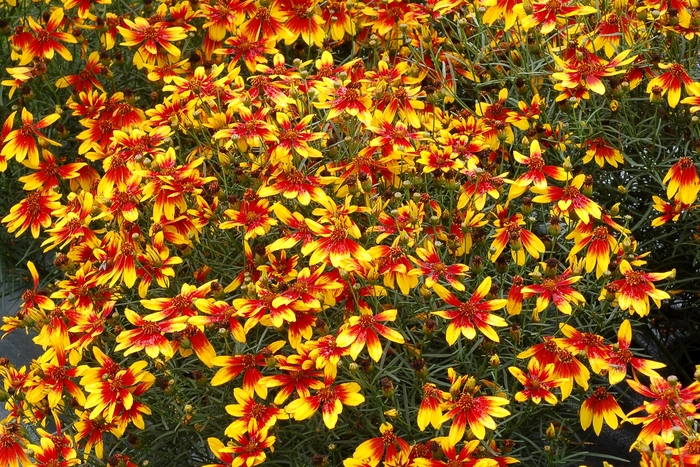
324, 232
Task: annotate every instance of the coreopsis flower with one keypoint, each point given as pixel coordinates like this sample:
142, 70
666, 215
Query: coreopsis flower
600, 245
48, 173
265, 21
294, 184
300, 374
148, 335
442, 159
588, 73
537, 383
32, 298
224, 16
477, 411
365, 330
479, 184
57, 378
330, 399
221, 314
86, 79
431, 267
253, 215
93, 430
154, 39
670, 406
569, 369
430, 410
337, 20
21, 143
48, 455
327, 353
251, 416
509, 231
510, 9
601, 405
295, 139
620, 356
155, 263
548, 14
671, 81
537, 171
303, 22
253, 130
348, 96
110, 387
247, 364
636, 287
12, 447
569, 198
45, 40
467, 317
393, 138
386, 446
556, 289
683, 181
602, 151
586, 343
394, 266
387, 18
248, 449
515, 296
335, 242
251, 50
33, 213
671, 211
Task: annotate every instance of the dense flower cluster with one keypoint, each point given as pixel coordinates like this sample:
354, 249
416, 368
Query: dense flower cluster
351, 233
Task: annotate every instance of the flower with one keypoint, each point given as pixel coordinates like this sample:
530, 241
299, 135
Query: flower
364, 329
430, 410
234, 365
432, 268
330, 399
683, 181
110, 387
251, 416
154, 39
477, 411
471, 315
601, 405
547, 13
46, 40
249, 449
555, 289
569, 198
12, 448
509, 231
148, 335
336, 242
538, 382
386, 446
620, 355
300, 375
585, 343
671, 81
603, 152
21, 142
537, 171
48, 172
253, 215
634, 290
